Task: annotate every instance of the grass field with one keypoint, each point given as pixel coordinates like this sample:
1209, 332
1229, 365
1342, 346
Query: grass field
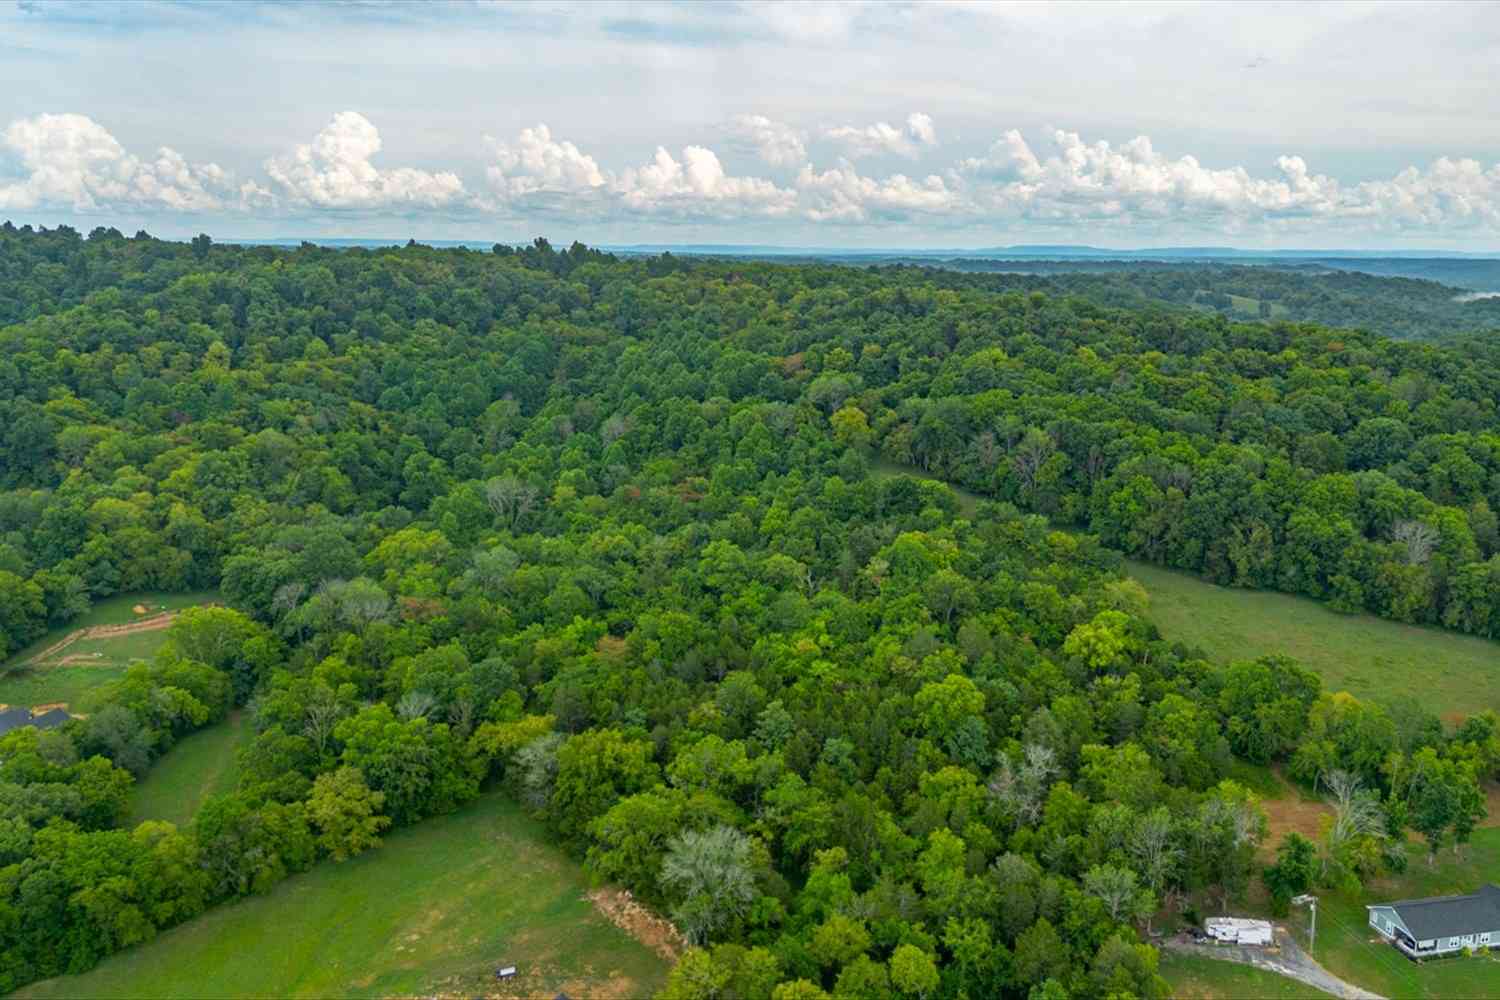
1195, 978
199, 766
84, 665
433, 911
1447, 673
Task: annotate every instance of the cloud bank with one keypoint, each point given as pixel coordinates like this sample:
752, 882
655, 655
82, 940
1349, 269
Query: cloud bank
71, 163
870, 140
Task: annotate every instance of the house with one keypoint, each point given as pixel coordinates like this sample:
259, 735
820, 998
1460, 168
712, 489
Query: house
1237, 930
15, 718
50, 719
1440, 925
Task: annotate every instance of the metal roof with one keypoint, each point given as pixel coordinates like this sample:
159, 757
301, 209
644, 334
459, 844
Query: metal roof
15, 718
1450, 916
50, 719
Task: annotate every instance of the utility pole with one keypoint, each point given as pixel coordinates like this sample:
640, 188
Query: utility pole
1311, 902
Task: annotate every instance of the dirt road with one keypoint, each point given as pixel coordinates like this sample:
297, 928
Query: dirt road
151, 624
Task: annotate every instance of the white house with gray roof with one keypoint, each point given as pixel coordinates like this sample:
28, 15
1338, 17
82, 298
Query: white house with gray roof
1440, 925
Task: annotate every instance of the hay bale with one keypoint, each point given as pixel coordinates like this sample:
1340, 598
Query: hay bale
139, 609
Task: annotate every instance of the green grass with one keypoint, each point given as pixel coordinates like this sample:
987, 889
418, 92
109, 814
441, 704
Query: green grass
1196, 978
118, 650
1344, 937
434, 910
90, 663
1447, 673
115, 611
201, 765
71, 685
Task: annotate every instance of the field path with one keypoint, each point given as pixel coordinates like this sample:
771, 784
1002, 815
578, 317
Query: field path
150, 624
1292, 962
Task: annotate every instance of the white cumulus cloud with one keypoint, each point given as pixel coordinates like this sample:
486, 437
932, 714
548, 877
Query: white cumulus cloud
538, 163
541, 172
776, 143
882, 137
698, 185
71, 161
1079, 181
843, 195
334, 171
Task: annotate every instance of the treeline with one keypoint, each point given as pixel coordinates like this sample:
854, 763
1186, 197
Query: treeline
605, 533
1334, 293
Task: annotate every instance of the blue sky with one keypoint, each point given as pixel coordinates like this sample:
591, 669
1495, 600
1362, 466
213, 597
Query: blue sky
884, 124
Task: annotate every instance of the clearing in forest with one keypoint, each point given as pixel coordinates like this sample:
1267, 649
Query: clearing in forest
201, 765
432, 912
1449, 674
67, 664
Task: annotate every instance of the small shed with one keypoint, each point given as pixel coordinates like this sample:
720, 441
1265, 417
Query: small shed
1238, 930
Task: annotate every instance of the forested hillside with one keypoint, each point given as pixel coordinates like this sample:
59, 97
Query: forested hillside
1455, 301
604, 531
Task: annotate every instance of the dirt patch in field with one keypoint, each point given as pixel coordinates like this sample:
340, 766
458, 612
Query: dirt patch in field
1291, 812
157, 621
620, 908
1491, 804
39, 709
543, 983
75, 658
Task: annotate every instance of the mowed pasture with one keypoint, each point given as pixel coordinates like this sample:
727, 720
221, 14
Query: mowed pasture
68, 675
1196, 978
1449, 674
201, 765
433, 911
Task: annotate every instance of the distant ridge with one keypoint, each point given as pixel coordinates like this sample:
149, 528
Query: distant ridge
1058, 251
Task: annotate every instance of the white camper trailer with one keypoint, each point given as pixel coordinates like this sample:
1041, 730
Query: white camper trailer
1236, 930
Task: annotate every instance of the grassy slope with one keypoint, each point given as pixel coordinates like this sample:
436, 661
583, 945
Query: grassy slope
434, 910
1195, 978
1447, 673
115, 611
71, 685
201, 765
72, 682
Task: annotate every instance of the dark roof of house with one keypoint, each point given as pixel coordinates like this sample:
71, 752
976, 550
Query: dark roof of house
15, 718
50, 719
1450, 916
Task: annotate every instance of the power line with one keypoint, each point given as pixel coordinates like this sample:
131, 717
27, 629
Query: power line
1400, 967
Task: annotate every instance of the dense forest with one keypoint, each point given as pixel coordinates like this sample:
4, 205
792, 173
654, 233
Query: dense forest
621, 537
1339, 292
1408, 308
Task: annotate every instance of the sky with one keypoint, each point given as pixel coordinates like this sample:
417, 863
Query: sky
880, 125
